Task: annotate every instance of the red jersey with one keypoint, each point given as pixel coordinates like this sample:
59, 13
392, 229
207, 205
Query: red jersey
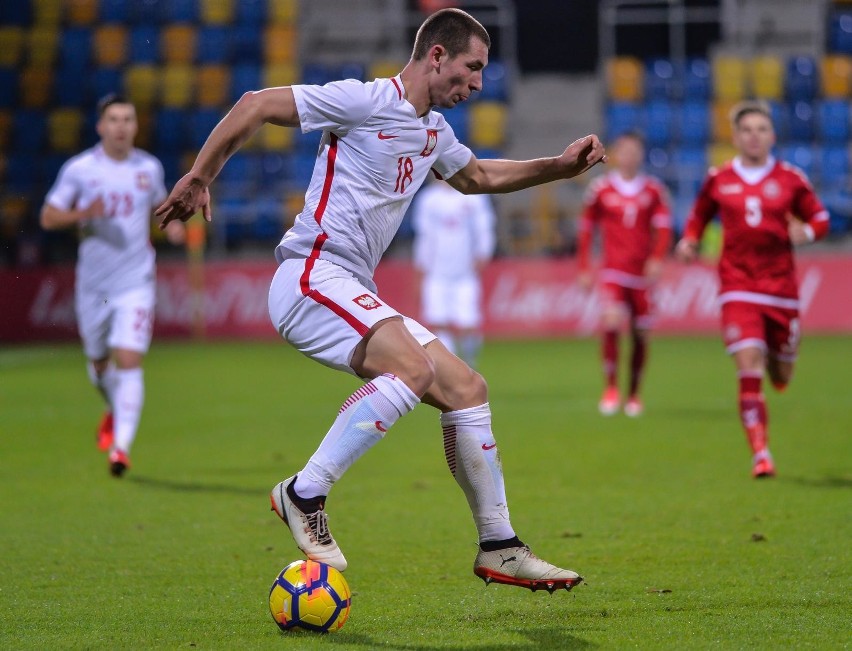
635, 222
757, 265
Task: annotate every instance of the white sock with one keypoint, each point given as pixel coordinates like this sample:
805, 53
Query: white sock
128, 397
105, 382
472, 455
361, 423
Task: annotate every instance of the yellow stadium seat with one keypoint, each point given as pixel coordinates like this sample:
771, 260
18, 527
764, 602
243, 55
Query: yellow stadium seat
145, 130
142, 84
280, 74
275, 138
5, 129
14, 209
47, 12
178, 88
213, 83
729, 77
279, 44
385, 68
80, 13
35, 86
721, 117
625, 77
488, 124
719, 153
837, 76
63, 129
177, 43
767, 77
109, 46
283, 12
12, 39
217, 12
42, 45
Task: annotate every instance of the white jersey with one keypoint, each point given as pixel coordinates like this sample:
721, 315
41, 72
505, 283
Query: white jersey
115, 251
374, 155
453, 231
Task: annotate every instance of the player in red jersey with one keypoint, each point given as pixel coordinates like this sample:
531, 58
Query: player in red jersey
766, 206
633, 214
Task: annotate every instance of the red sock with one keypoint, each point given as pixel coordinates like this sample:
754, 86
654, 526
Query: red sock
753, 411
637, 363
609, 351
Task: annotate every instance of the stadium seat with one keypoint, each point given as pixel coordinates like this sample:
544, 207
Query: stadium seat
177, 43
110, 45
660, 80
302, 168
246, 44
319, 74
36, 86
280, 44
730, 79
105, 80
659, 123
384, 68
172, 169
145, 132
352, 70
658, 162
29, 131
8, 87
279, 74
201, 123
621, 117
146, 12
69, 89
276, 139
16, 13
282, 12
214, 44
244, 77
495, 82
81, 13
780, 119
694, 123
170, 130
142, 85
836, 76
115, 11
767, 77
179, 11
487, 124
720, 153
42, 45
178, 85
697, 84
50, 164
840, 32
63, 129
625, 79
721, 120
5, 129
74, 49
239, 174
801, 155
251, 12
802, 80
212, 85
22, 171
47, 12
13, 39
834, 165
690, 167
217, 12
144, 44
833, 122
459, 121
802, 121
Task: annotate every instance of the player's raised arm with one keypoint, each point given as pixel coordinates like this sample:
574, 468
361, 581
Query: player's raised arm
254, 109
491, 176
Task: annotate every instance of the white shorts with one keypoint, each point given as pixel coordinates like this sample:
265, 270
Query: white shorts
452, 302
123, 321
323, 311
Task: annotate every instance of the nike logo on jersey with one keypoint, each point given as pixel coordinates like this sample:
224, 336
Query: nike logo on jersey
384, 136
485, 446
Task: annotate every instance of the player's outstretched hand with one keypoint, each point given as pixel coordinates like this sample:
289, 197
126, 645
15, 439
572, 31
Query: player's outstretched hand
799, 232
582, 154
686, 250
187, 198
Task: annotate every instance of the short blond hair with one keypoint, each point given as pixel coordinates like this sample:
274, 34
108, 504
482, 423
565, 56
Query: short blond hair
748, 107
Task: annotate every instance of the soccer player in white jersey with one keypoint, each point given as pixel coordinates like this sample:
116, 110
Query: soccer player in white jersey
380, 140
453, 241
109, 192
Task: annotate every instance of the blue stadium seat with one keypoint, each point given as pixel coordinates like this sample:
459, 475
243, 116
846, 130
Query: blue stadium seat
115, 11
621, 117
840, 32
319, 74
70, 87
49, 166
833, 123
495, 82
246, 44
659, 123
307, 142
802, 121
251, 12
302, 168
105, 80
801, 155
834, 165
352, 70
695, 123
178, 11
213, 44
244, 77
660, 80
170, 130
780, 119
22, 171
74, 49
29, 131
459, 120
802, 79
8, 87
658, 162
275, 169
697, 80
268, 223
16, 13
147, 12
239, 175
172, 169
144, 44
689, 168
483, 153
201, 123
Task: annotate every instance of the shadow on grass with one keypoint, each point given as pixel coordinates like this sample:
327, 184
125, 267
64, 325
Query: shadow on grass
542, 638
193, 486
829, 481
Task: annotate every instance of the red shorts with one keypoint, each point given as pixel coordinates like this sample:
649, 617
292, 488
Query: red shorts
636, 301
772, 329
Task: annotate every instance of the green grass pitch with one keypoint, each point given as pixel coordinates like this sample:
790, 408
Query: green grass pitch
679, 546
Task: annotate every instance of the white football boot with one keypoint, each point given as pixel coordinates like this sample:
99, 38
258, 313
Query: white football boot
519, 566
310, 530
